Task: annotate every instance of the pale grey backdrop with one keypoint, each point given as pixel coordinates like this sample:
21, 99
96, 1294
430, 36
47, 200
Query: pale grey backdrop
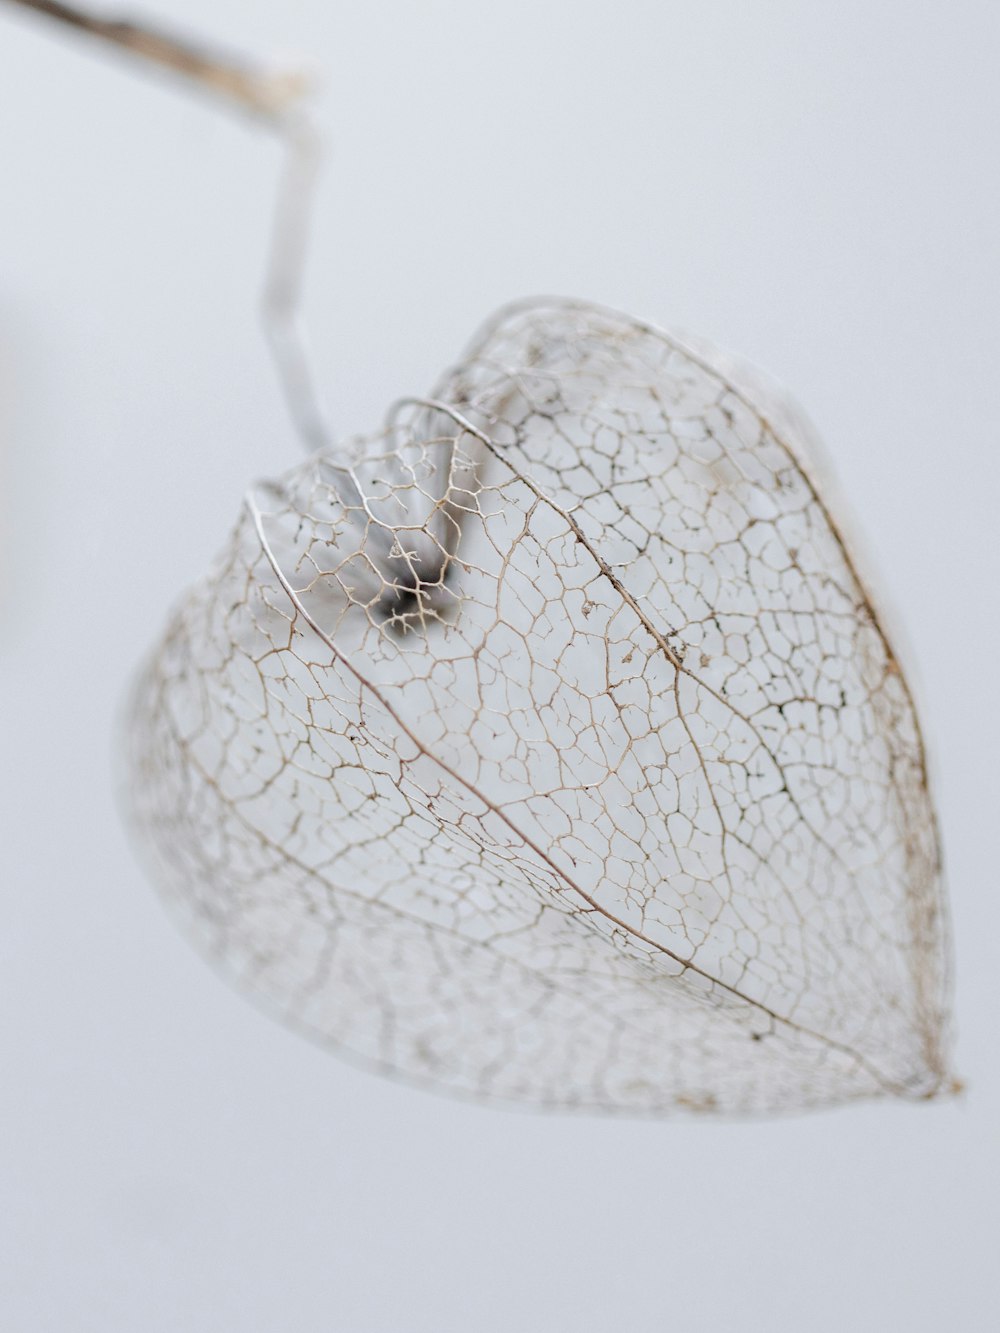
812, 185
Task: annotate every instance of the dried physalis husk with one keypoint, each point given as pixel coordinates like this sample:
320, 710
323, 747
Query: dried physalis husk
547, 748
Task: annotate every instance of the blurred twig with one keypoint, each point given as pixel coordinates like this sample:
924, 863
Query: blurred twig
278, 99
267, 93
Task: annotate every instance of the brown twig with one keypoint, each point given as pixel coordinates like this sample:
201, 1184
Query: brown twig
263, 92
276, 98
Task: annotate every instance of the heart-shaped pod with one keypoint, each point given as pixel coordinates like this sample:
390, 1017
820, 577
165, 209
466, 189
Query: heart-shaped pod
547, 747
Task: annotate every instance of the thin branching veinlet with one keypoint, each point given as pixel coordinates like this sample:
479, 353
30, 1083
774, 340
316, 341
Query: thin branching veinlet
546, 747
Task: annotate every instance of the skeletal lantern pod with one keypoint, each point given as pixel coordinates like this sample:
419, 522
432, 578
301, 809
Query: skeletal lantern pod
547, 748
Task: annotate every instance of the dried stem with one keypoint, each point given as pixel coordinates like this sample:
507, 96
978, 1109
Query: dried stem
276, 98
281, 299
261, 91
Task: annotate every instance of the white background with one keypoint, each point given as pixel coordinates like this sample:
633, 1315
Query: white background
814, 185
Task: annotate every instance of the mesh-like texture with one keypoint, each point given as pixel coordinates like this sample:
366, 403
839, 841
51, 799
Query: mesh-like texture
546, 748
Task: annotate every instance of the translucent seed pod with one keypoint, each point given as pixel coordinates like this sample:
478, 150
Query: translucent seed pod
547, 747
